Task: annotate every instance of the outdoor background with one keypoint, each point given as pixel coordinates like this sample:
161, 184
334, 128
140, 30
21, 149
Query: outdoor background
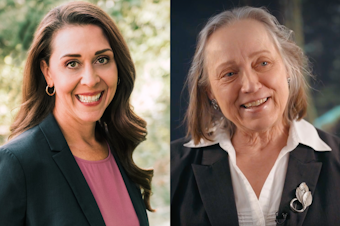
316, 25
145, 25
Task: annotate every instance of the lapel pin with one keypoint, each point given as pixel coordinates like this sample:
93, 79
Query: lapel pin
304, 196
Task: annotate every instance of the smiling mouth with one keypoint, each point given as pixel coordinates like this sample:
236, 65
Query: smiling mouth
89, 99
255, 103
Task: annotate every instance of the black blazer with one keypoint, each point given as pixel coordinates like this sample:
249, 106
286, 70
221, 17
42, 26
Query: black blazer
41, 183
202, 192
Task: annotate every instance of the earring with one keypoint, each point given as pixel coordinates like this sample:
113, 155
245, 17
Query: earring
214, 104
118, 81
288, 80
48, 93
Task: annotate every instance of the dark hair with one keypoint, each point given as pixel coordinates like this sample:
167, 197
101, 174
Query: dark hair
123, 129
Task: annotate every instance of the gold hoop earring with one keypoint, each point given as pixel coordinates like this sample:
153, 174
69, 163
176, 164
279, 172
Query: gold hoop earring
48, 93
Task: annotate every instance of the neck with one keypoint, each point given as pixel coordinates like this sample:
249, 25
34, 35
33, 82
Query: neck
74, 130
246, 141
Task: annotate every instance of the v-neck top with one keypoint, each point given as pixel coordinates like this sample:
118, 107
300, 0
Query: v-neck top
262, 211
109, 190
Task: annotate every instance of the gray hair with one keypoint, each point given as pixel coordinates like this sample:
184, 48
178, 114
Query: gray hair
201, 117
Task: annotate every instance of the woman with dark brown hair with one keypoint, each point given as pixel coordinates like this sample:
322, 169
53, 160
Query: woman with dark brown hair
69, 158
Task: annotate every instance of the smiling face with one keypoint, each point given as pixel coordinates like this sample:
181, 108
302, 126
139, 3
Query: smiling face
247, 76
83, 71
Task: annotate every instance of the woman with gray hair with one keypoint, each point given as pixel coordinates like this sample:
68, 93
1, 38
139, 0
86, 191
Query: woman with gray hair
250, 158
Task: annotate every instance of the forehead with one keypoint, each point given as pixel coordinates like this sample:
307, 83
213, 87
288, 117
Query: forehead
239, 39
79, 38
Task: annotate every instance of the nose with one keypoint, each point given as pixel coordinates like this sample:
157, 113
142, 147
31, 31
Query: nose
250, 81
89, 76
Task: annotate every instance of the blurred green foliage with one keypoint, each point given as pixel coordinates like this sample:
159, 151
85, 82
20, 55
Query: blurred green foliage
145, 25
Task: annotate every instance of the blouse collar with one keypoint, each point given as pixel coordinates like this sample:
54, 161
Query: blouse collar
300, 132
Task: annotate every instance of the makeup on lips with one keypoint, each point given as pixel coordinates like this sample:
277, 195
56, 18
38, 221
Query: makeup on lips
90, 99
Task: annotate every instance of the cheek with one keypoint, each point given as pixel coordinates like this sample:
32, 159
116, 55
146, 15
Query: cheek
110, 78
279, 84
111, 82
64, 83
110, 75
229, 108
226, 96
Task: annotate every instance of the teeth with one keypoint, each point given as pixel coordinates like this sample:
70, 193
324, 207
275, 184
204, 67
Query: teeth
255, 103
89, 99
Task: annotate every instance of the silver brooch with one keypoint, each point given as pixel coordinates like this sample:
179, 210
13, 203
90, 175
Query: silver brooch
304, 196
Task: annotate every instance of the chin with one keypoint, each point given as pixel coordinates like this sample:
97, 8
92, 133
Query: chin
260, 125
90, 117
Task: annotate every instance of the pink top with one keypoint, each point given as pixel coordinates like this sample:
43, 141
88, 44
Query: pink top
109, 190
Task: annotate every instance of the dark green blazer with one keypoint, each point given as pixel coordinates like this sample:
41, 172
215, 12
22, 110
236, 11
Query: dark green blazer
41, 183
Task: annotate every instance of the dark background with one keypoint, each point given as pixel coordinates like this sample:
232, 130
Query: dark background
316, 25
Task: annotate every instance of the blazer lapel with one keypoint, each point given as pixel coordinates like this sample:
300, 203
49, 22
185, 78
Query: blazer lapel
69, 167
135, 195
215, 186
302, 167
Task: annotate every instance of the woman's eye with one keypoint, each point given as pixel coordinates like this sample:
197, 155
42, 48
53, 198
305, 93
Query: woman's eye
72, 64
229, 74
102, 60
264, 63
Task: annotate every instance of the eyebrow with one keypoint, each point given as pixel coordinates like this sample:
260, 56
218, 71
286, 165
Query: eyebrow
258, 52
102, 51
78, 55
223, 65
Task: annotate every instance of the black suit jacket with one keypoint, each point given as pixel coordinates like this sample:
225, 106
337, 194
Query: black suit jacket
202, 192
41, 183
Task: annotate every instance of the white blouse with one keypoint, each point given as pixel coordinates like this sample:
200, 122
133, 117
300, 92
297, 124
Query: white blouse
261, 211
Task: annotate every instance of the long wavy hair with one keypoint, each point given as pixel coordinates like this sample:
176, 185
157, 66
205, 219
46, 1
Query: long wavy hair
122, 128
201, 117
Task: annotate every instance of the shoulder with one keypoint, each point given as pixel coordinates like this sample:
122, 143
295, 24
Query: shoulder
179, 152
181, 160
329, 139
24, 144
183, 157
179, 144
16, 159
333, 156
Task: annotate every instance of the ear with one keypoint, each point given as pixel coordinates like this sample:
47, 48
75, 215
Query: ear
45, 70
